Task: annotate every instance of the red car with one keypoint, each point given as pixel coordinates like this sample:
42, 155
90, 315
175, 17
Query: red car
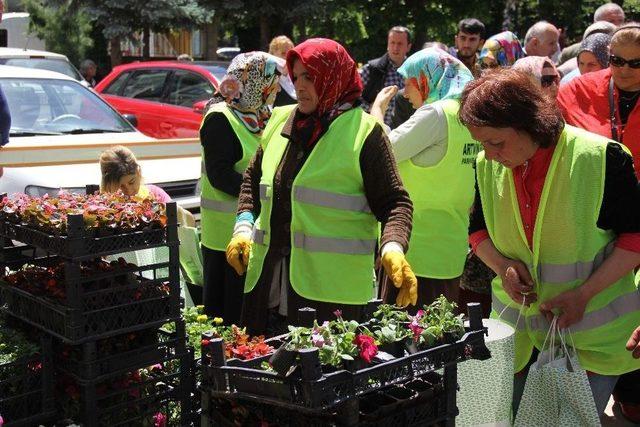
166, 97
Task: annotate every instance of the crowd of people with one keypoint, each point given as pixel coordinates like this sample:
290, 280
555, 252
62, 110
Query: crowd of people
494, 171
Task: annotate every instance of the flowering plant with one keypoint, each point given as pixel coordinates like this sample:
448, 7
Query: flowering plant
389, 324
114, 211
435, 322
337, 341
50, 281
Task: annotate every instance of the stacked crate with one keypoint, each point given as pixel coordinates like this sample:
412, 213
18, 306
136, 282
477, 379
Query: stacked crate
406, 389
113, 364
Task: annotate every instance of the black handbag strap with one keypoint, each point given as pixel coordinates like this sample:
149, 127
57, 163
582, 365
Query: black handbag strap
612, 112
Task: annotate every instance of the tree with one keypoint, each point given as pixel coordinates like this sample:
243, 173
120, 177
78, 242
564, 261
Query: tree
63, 29
121, 19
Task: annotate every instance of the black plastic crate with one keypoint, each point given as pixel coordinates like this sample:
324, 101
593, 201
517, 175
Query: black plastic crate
97, 359
26, 390
81, 243
133, 298
130, 399
419, 402
332, 388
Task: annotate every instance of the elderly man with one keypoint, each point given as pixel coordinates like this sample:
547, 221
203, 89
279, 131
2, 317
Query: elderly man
541, 40
382, 72
609, 12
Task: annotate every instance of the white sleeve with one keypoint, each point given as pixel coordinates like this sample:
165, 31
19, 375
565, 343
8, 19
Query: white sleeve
427, 127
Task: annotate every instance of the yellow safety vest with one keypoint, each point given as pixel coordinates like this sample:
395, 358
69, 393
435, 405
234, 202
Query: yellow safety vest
333, 232
442, 197
217, 208
567, 247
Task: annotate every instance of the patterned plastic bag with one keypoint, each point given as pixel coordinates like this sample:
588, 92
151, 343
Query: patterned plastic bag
486, 387
557, 391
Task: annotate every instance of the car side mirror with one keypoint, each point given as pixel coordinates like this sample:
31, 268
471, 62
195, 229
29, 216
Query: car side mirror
131, 118
198, 107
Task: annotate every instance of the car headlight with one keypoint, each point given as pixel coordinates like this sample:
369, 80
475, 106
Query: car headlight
39, 191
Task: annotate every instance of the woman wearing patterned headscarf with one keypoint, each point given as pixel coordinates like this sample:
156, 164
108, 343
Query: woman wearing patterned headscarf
501, 50
313, 197
543, 71
435, 156
592, 56
230, 135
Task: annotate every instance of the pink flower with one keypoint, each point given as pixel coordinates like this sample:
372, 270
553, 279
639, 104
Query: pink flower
366, 347
419, 314
160, 420
317, 340
416, 329
338, 313
1, 421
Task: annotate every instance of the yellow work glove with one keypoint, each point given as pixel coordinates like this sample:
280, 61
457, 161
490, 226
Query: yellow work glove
238, 251
400, 273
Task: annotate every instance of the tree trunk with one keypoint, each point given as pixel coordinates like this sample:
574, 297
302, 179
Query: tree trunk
146, 46
211, 38
265, 33
115, 52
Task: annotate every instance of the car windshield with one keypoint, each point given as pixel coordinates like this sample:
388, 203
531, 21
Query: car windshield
59, 65
217, 71
51, 107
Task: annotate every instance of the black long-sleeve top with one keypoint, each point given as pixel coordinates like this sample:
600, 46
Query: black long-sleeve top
222, 150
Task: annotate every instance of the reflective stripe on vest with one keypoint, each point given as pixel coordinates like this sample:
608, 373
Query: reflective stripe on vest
620, 306
218, 205
328, 199
563, 273
264, 195
337, 246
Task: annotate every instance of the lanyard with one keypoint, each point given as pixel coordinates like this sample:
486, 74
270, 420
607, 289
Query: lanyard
612, 112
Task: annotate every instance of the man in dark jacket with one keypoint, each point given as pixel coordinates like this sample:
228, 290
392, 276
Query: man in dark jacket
382, 72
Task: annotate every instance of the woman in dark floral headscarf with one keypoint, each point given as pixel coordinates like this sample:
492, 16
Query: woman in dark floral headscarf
312, 197
230, 134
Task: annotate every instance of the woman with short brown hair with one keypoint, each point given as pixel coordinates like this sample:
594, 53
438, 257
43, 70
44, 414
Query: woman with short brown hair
555, 217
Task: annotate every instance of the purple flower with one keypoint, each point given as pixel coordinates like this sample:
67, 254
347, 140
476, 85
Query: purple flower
317, 340
338, 313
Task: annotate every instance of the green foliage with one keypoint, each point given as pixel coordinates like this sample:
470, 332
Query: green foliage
14, 345
63, 28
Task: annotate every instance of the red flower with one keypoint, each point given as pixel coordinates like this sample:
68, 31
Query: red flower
366, 347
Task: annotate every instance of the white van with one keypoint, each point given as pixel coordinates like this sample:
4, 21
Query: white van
14, 32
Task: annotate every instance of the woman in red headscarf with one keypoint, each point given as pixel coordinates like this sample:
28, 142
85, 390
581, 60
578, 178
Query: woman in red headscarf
312, 199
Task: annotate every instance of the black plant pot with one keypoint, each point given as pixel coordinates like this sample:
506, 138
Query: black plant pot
282, 360
354, 365
396, 349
